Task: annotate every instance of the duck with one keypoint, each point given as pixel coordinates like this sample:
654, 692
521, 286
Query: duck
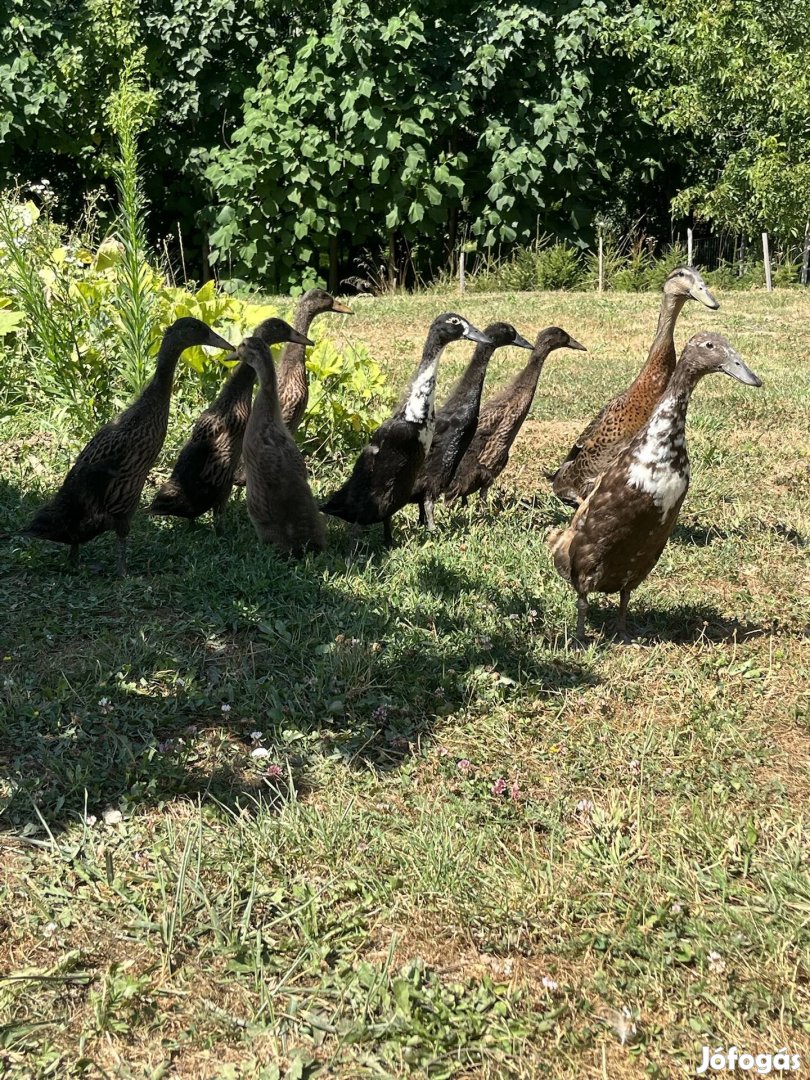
625, 414
501, 419
457, 420
293, 389
279, 501
203, 475
101, 491
383, 477
619, 532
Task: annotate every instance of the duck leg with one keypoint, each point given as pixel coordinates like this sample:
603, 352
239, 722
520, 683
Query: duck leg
621, 619
219, 524
422, 514
388, 535
427, 511
73, 557
122, 532
582, 611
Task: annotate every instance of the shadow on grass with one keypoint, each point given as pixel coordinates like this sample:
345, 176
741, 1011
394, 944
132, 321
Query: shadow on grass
681, 625
134, 693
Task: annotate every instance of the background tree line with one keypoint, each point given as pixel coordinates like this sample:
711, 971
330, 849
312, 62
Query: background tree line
289, 143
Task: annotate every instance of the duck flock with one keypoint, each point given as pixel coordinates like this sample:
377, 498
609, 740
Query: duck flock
626, 475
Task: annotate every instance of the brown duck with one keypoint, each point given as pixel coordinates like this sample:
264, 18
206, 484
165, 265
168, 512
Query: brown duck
102, 490
457, 420
203, 476
293, 390
501, 419
622, 417
279, 500
617, 535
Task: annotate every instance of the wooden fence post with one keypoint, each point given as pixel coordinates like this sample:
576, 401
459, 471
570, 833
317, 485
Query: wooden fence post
601, 263
806, 253
462, 270
766, 257
689, 247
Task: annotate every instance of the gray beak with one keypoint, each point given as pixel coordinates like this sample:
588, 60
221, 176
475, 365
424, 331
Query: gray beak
735, 367
299, 339
216, 342
475, 335
522, 343
699, 292
574, 344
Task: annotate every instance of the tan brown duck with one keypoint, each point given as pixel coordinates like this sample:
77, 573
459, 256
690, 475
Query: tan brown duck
279, 500
617, 535
501, 418
102, 489
204, 473
293, 389
622, 417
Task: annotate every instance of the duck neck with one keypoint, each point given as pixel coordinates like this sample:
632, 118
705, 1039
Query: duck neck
237, 386
159, 387
471, 382
668, 418
524, 385
419, 404
266, 405
292, 366
662, 357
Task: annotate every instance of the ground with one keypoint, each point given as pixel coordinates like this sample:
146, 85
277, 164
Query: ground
469, 850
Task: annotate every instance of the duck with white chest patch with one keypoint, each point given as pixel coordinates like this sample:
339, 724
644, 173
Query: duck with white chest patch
618, 534
383, 476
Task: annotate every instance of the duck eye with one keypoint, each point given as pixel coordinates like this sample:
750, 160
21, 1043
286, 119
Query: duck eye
709, 344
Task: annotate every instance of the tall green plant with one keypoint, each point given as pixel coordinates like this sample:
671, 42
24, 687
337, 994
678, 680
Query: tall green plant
130, 107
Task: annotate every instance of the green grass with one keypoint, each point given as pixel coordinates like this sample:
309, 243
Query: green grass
375, 906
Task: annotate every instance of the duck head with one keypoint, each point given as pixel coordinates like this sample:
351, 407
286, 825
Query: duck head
707, 353
318, 301
274, 331
185, 332
688, 282
451, 327
554, 337
255, 352
501, 334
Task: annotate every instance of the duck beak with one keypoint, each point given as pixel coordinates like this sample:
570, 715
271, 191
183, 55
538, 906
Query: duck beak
475, 335
522, 343
698, 291
216, 342
299, 339
735, 367
341, 309
574, 344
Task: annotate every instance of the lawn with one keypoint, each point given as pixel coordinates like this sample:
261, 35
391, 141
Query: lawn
464, 849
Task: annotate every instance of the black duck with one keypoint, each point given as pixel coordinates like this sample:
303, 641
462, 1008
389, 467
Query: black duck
621, 418
279, 500
501, 419
384, 474
204, 473
457, 420
102, 489
617, 535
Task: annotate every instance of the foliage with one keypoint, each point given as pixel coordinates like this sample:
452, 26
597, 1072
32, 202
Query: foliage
394, 132
543, 265
735, 80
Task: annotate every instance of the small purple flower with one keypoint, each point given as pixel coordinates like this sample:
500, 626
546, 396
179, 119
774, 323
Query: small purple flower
275, 772
499, 787
380, 714
444, 752
465, 765
514, 791
165, 746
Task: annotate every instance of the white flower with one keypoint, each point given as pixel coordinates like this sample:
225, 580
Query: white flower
584, 806
676, 909
634, 766
549, 983
104, 705
50, 928
257, 736
716, 963
225, 708
112, 816
259, 752
90, 820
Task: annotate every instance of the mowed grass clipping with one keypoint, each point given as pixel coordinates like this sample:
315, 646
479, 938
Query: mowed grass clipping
462, 849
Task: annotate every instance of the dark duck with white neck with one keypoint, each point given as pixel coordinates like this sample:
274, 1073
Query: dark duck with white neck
457, 420
610, 431
502, 417
619, 532
102, 490
384, 474
204, 474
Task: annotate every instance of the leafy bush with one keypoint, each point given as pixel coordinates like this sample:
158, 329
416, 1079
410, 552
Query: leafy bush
541, 266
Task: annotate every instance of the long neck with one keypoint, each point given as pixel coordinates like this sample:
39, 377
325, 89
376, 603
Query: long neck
471, 382
418, 407
266, 404
668, 420
237, 386
662, 357
159, 387
293, 358
522, 388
